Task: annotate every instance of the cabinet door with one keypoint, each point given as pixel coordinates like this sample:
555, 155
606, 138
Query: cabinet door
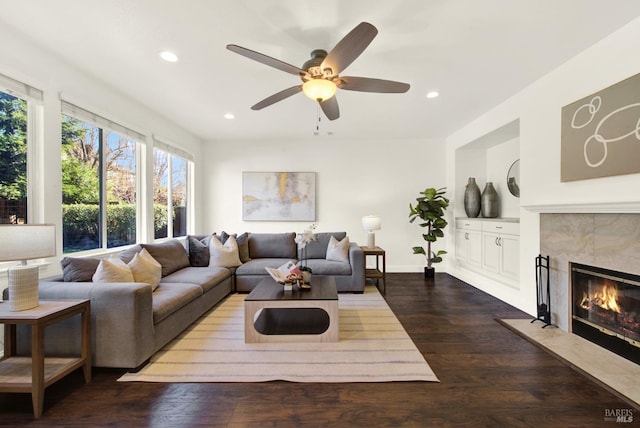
510, 260
491, 252
474, 250
461, 245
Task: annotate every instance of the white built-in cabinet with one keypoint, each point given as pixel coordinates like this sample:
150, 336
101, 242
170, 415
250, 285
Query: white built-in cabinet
490, 247
469, 242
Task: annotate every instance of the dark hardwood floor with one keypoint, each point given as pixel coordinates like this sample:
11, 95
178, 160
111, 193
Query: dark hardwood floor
489, 377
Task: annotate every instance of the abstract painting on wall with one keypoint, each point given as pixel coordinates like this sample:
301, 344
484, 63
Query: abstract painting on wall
279, 196
601, 133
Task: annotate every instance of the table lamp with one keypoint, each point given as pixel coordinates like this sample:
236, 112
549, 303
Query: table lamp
371, 223
25, 242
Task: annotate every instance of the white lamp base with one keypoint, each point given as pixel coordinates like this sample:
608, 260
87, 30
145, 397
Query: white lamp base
371, 239
23, 287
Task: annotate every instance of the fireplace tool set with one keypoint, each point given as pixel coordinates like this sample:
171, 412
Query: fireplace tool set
542, 291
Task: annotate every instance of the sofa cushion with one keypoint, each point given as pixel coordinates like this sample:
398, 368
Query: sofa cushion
243, 244
338, 251
112, 270
225, 255
170, 297
198, 249
79, 269
272, 245
127, 255
145, 269
328, 267
257, 266
205, 277
318, 249
171, 255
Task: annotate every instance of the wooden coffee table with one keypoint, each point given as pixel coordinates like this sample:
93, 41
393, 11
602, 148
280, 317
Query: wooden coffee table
309, 315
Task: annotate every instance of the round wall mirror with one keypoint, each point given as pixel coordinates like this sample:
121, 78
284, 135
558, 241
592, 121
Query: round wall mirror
513, 178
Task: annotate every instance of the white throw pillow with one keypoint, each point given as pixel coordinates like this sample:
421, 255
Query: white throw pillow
224, 255
112, 270
338, 250
146, 269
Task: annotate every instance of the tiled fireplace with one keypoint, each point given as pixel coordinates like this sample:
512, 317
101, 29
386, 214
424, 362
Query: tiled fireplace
593, 257
605, 309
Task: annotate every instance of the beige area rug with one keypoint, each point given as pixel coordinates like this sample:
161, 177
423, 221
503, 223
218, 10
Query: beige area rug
373, 347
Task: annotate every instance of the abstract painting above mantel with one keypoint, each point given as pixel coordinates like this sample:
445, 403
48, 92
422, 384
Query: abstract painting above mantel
601, 133
279, 196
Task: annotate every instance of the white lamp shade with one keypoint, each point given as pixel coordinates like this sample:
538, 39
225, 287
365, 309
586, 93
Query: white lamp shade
371, 222
27, 241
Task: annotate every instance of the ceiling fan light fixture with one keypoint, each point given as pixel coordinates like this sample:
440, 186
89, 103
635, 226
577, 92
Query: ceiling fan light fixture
319, 89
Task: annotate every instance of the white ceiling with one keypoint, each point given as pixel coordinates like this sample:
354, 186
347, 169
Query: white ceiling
476, 53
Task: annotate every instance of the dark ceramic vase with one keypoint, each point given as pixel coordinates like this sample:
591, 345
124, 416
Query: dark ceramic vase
472, 199
490, 203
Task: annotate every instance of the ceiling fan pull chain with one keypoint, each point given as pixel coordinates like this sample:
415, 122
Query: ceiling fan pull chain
318, 123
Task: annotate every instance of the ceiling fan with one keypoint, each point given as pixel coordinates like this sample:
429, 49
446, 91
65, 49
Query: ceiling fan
320, 74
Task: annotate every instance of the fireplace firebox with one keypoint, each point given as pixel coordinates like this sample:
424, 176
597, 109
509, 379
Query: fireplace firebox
605, 309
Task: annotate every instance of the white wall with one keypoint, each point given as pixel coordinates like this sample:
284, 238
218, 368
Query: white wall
538, 108
354, 178
25, 62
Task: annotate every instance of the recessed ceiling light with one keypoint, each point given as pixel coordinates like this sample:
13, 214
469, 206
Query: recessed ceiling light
432, 94
229, 116
168, 56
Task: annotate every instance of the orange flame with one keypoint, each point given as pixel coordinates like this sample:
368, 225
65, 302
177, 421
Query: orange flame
606, 297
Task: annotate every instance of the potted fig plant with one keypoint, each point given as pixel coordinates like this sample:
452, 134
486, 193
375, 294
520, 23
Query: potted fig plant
429, 209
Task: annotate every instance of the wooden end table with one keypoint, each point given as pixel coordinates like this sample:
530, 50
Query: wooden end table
33, 374
378, 273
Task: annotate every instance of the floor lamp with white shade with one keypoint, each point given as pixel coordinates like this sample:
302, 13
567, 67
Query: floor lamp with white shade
25, 242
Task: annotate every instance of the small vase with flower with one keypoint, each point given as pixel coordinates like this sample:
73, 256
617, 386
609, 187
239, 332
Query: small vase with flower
303, 239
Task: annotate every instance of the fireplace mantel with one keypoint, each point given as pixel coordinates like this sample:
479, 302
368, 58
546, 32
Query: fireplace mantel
631, 207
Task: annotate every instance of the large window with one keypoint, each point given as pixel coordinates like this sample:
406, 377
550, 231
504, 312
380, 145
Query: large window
20, 105
170, 193
13, 159
98, 186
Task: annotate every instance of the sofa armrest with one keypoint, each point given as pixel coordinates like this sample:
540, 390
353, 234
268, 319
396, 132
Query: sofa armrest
122, 331
356, 259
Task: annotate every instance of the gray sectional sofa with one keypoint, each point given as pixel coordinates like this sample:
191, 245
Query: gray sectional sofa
131, 320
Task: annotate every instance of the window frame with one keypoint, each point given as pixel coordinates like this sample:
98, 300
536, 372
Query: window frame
172, 152
105, 126
34, 98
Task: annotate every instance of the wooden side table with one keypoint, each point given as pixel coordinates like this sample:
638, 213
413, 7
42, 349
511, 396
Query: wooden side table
376, 273
34, 374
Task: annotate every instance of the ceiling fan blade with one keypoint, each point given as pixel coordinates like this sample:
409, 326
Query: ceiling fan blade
366, 84
330, 108
267, 60
277, 97
349, 48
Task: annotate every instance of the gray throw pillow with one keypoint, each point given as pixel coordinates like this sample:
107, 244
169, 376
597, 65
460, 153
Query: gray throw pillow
79, 269
127, 255
198, 248
171, 255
